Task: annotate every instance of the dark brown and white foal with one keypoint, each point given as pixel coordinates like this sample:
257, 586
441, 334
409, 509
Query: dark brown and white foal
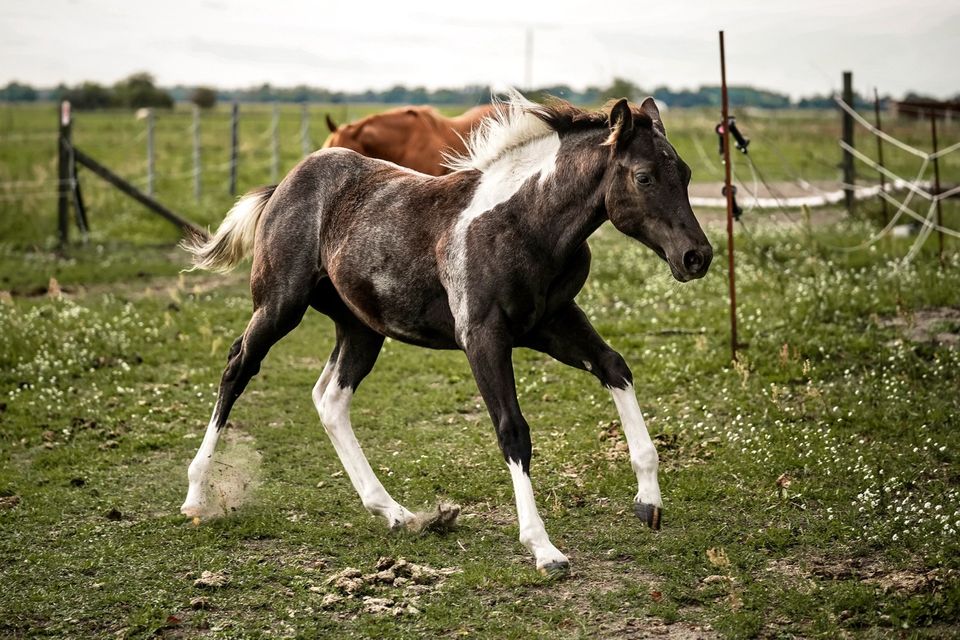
485, 259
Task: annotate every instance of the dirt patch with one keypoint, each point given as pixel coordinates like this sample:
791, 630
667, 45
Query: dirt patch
588, 580
636, 628
935, 325
903, 581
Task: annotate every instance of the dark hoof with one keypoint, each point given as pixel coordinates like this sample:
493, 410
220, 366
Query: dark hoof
555, 569
648, 514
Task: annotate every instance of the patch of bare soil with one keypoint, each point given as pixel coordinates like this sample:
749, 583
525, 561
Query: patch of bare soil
902, 581
588, 580
936, 325
635, 628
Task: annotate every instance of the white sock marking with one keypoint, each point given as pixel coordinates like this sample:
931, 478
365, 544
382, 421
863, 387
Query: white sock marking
533, 535
333, 404
643, 454
193, 505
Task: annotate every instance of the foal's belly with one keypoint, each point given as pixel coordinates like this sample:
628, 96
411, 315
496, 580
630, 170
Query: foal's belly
399, 306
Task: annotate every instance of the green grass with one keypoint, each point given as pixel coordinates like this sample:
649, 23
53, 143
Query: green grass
103, 396
108, 391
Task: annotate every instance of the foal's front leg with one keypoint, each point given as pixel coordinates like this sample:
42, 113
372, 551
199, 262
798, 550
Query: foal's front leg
490, 355
570, 338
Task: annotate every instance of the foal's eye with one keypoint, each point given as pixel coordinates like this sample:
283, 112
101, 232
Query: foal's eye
644, 179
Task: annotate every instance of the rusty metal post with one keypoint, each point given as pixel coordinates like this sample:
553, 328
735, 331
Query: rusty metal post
729, 193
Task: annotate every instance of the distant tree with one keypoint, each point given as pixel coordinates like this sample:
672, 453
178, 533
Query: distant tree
204, 97
17, 92
139, 91
913, 96
621, 88
88, 96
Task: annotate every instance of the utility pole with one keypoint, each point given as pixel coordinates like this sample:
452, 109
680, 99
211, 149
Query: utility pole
528, 59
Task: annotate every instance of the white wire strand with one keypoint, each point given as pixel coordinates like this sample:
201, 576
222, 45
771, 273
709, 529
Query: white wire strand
918, 217
921, 238
873, 165
878, 132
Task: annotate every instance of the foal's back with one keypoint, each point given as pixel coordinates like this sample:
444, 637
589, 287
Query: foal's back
381, 234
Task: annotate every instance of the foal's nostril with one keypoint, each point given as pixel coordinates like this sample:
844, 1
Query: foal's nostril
693, 261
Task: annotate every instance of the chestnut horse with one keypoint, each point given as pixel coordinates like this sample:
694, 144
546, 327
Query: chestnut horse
418, 138
484, 260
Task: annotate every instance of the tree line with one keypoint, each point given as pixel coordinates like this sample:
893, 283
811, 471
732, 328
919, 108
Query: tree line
140, 90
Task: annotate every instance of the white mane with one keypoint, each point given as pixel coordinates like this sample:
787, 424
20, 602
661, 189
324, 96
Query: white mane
512, 125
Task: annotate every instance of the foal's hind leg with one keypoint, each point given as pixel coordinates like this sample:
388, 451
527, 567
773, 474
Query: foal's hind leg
269, 323
352, 359
569, 337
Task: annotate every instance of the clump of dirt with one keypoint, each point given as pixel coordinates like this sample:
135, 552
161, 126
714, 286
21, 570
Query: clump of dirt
394, 587
936, 325
234, 475
211, 580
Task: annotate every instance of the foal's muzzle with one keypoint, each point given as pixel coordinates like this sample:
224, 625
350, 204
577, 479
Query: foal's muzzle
693, 263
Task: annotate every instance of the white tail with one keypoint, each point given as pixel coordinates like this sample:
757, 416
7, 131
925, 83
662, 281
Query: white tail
233, 241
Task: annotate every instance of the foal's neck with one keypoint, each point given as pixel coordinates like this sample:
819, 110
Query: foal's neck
572, 206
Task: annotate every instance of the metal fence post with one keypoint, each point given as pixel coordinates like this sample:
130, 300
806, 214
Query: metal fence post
150, 151
305, 146
197, 175
234, 117
275, 144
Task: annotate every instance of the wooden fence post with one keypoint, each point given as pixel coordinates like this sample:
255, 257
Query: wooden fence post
63, 173
150, 123
197, 170
883, 179
234, 117
848, 172
936, 182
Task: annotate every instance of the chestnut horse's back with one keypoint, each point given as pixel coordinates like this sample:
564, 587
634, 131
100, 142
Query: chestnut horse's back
417, 137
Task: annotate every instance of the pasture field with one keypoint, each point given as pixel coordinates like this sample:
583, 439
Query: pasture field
811, 489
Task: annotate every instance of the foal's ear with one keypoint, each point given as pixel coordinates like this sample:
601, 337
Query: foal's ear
621, 125
649, 107
331, 124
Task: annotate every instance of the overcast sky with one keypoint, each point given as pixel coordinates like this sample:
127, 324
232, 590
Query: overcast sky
798, 47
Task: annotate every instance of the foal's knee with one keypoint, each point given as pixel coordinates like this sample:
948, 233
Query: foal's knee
514, 436
612, 370
332, 404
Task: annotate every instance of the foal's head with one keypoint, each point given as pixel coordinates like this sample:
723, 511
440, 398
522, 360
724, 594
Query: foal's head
646, 190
